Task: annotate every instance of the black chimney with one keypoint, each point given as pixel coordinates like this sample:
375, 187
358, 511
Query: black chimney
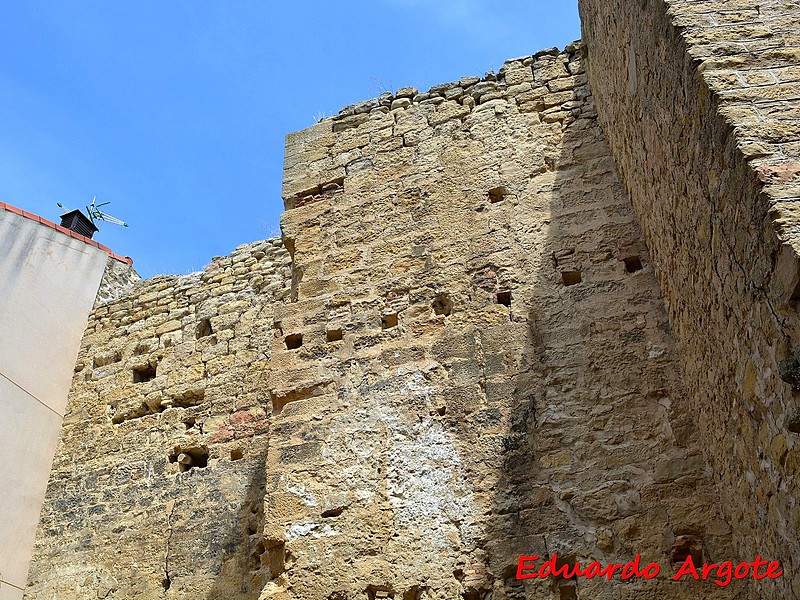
79, 223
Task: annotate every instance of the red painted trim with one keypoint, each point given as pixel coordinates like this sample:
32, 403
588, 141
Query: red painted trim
28, 215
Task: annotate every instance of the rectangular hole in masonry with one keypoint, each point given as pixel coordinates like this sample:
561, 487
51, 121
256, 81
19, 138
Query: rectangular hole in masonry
504, 298
567, 592
203, 329
294, 341
237, 454
379, 592
632, 264
389, 321
189, 458
497, 194
144, 373
442, 305
571, 277
333, 335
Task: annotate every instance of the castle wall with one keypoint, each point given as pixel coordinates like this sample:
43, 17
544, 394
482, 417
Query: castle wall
466, 360
443, 447
699, 101
48, 282
157, 486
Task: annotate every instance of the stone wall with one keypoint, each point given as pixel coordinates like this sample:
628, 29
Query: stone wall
466, 360
157, 486
699, 101
455, 433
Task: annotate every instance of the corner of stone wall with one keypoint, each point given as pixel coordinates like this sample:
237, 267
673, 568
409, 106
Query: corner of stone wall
699, 102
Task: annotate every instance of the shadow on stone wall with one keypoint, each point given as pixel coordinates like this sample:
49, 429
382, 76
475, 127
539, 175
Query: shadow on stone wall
601, 459
245, 568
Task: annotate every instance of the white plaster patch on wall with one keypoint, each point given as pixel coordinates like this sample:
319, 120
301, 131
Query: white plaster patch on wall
300, 491
422, 479
312, 529
354, 445
425, 485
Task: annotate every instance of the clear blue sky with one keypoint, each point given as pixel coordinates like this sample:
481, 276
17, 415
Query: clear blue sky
176, 112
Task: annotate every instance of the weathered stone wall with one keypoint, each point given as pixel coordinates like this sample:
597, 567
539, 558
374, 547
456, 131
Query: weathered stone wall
699, 101
157, 486
466, 360
447, 433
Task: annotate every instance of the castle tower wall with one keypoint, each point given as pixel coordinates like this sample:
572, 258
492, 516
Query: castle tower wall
699, 102
458, 356
558, 423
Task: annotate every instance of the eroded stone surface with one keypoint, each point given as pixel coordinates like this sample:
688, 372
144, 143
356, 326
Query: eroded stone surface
118, 279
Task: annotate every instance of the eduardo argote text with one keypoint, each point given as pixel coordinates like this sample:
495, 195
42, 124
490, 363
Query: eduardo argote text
722, 573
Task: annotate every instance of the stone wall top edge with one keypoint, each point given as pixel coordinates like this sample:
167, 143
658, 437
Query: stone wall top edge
545, 82
440, 90
750, 61
270, 247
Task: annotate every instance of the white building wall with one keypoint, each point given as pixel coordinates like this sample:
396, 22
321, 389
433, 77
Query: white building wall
48, 283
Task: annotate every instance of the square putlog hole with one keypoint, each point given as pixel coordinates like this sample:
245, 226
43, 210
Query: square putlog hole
442, 305
497, 194
379, 592
294, 341
632, 264
143, 374
567, 592
504, 298
334, 335
189, 458
389, 321
571, 277
203, 329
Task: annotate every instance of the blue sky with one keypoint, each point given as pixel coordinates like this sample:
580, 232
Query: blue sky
176, 112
